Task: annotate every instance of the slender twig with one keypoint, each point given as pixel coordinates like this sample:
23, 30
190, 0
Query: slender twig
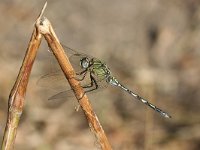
53, 42
18, 92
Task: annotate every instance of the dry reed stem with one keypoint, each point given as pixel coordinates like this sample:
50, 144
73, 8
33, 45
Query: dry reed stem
53, 42
18, 92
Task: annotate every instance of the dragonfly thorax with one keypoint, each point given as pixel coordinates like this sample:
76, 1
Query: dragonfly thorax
84, 63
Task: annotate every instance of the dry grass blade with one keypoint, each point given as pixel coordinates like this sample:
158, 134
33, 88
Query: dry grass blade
17, 95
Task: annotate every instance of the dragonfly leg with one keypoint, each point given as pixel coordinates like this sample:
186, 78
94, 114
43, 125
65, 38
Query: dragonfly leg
81, 73
92, 84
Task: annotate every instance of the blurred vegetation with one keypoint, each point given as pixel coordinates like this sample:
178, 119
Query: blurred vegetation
151, 46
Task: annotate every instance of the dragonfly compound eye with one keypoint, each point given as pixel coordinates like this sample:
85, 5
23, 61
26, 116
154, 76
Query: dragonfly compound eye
84, 62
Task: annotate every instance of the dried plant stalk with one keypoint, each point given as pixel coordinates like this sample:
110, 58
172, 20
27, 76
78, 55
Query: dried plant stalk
18, 92
53, 42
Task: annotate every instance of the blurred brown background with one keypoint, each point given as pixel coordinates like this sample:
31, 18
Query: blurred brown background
151, 46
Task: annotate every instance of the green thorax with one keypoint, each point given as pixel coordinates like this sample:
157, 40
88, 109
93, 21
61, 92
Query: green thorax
99, 69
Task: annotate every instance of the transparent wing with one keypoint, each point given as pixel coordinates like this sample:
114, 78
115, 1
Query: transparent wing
62, 95
70, 93
71, 52
54, 80
75, 58
57, 81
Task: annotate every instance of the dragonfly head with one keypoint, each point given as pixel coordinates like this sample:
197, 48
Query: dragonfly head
112, 80
84, 63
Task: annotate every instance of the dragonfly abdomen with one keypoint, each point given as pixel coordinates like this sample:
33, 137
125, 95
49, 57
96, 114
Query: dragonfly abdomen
144, 101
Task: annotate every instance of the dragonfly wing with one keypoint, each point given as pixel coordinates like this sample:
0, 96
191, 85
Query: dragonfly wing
54, 80
75, 57
75, 61
62, 95
71, 52
70, 93
85, 83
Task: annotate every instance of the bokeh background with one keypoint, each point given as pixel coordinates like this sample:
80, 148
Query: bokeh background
152, 46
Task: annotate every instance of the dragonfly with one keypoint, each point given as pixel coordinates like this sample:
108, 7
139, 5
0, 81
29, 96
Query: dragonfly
94, 74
